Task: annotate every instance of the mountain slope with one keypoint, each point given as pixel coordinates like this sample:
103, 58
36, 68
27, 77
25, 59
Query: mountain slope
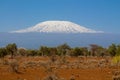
57, 27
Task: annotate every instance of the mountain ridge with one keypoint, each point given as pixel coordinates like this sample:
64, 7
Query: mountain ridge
57, 27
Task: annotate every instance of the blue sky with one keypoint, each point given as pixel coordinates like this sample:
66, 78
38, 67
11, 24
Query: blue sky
101, 15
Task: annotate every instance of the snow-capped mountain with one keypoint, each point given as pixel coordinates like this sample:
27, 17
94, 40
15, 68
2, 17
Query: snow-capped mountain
57, 27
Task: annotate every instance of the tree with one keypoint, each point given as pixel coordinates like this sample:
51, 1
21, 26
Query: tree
62, 49
44, 50
97, 50
77, 51
52, 54
3, 52
11, 49
31, 52
53, 51
93, 49
118, 51
22, 51
112, 49
84, 51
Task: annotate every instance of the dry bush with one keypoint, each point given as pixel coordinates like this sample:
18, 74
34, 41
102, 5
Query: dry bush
72, 77
53, 58
31, 64
62, 60
116, 75
49, 69
4, 62
47, 66
13, 66
51, 77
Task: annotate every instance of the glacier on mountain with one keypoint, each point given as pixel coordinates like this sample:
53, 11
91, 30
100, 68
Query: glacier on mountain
57, 27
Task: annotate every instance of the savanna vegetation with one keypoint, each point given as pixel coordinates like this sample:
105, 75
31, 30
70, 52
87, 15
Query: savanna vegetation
60, 63
62, 50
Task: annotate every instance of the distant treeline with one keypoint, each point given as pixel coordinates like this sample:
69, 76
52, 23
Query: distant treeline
64, 49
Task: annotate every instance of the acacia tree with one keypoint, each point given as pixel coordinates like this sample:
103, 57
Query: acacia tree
31, 52
93, 49
11, 49
53, 51
118, 50
112, 49
97, 50
3, 52
22, 51
84, 51
77, 51
62, 49
44, 50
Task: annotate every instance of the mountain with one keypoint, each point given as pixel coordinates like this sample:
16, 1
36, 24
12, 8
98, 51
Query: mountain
57, 27
53, 33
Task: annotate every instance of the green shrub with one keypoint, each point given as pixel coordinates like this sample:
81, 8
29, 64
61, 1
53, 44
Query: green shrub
116, 59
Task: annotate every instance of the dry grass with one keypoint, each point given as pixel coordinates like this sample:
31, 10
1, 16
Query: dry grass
66, 68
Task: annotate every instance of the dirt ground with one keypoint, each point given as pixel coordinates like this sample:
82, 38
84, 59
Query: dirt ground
38, 68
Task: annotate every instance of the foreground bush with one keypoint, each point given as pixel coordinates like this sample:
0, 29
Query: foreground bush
13, 66
116, 60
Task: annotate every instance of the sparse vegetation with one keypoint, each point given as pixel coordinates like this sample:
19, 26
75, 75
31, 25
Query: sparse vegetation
62, 50
13, 66
116, 59
52, 63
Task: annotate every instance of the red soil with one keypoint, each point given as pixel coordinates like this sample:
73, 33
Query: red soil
39, 72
